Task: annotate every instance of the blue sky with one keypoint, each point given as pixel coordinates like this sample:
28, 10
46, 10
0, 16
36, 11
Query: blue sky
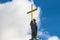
4, 1
50, 15
50, 18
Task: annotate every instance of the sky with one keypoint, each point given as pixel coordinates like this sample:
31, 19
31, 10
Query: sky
49, 16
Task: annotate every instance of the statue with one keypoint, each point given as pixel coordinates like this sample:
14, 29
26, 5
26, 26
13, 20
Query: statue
33, 29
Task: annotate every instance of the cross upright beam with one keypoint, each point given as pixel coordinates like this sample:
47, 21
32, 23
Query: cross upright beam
32, 15
32, 10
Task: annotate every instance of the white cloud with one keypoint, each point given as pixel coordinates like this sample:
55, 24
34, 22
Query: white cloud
14, 23
44, 35
53, 38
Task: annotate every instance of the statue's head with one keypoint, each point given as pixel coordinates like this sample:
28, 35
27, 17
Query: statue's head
34, 19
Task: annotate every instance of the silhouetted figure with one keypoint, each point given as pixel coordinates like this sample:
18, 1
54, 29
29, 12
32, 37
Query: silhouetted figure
33, 25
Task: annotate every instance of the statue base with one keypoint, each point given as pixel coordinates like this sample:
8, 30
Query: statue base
33, 39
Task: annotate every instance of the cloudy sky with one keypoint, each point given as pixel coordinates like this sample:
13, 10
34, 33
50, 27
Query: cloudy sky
49, 24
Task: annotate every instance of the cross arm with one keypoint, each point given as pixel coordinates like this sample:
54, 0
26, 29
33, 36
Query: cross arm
31, 11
